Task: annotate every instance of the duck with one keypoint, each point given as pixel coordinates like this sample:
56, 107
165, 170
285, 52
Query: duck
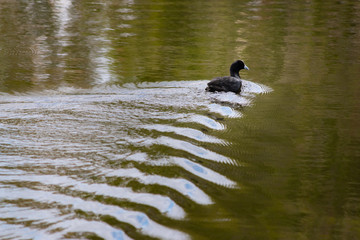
230, 83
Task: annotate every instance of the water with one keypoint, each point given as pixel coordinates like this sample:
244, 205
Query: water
106, 131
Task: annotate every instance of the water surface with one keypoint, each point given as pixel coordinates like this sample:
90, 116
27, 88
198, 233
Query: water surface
106, 131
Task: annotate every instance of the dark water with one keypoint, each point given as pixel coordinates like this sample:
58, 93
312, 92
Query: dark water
106, 131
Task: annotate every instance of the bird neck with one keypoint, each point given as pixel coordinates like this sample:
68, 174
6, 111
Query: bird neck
234, 71
234, 74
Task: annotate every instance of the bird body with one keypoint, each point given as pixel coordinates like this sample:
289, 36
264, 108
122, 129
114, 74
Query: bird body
230, 83
225, 84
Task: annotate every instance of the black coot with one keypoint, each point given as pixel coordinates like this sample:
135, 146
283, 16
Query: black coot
231, 83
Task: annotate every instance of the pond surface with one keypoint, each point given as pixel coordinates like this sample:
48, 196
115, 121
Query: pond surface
106, 131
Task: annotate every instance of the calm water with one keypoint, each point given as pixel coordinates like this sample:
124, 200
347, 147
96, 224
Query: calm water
106, 131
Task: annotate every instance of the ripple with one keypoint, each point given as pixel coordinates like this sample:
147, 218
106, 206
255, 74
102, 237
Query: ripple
183, 146
224, 110
203, 172
192, 167
137, 219
251, 87
17, 231
163, 204
186, 132
64, 149
99, 228
205, 121
183, 186
194, 150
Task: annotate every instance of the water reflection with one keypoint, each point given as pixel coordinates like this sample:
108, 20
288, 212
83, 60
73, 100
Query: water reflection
106, 131
81, 165
183, 186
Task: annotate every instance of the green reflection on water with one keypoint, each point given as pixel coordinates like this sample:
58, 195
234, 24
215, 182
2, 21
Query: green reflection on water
299, 145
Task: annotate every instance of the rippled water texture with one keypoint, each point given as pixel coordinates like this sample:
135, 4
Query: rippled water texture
142, 144
106, 131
